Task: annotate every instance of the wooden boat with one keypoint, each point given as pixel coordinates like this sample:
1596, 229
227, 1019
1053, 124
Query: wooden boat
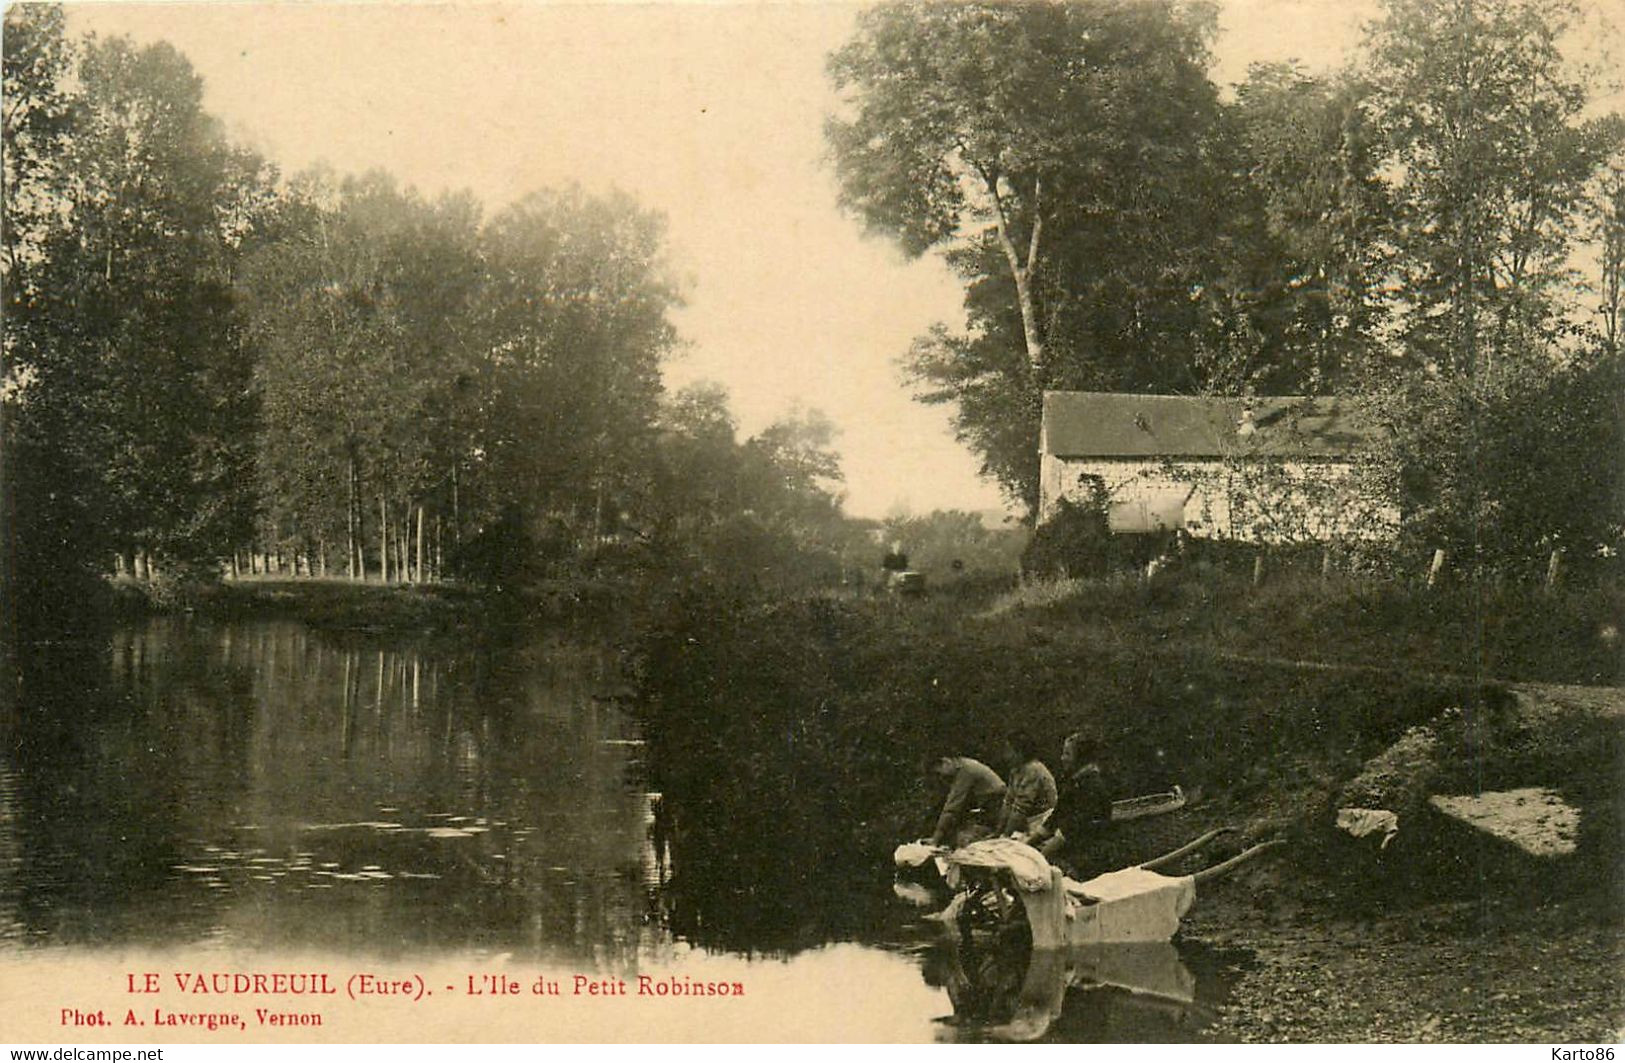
1020, 932
1148, 805
995, 879
1135, 905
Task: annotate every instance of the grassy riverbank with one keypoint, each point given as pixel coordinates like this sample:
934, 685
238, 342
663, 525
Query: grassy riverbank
786, 738
378, 607
786, 735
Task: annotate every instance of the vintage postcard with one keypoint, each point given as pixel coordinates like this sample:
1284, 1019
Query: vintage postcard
1067, 521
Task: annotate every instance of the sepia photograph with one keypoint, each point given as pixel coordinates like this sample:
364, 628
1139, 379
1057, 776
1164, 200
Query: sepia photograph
909, 521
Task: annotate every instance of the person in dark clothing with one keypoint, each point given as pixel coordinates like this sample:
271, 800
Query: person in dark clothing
1083, 809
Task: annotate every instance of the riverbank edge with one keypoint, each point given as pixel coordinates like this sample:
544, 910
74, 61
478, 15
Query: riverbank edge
379, 608
848, 695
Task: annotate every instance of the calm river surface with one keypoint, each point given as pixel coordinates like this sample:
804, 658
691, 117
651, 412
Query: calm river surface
259, 786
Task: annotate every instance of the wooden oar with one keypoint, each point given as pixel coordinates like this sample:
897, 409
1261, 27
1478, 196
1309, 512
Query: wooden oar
1186, 849
1208, 874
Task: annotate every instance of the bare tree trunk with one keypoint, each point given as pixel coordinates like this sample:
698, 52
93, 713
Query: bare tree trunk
438, 559
1022, 272
350, 547
420, 545
456, 510
383, 540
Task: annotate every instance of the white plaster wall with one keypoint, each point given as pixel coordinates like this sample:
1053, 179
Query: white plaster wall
1258, 501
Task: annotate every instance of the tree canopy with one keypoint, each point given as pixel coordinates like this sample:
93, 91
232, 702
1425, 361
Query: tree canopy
209, 366
1121, 226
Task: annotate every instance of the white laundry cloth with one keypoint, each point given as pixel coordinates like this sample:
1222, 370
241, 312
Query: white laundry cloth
914, 854
1025, 864
1360, 822
1127, 905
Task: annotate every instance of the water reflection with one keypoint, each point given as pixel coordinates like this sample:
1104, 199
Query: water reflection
258, 785
262, 787
1142, 992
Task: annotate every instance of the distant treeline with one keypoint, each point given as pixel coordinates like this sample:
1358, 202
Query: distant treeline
211, 368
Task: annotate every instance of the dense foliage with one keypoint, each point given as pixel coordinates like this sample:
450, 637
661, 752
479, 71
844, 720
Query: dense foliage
211, 368
1405, 230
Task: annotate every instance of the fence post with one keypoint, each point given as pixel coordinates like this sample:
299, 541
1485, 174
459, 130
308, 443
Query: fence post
1436, 567
1258, 567
1325, 562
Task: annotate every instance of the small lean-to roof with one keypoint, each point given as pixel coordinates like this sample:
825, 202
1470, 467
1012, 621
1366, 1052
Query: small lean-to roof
1096, 424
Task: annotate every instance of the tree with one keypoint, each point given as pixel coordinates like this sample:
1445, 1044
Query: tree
126, 362
997, 410
698, 458
1481, 122
990, 124
1072, 160
504, 377
796, 456
1308, 160
1607, 209
54, 542
364, 310
159, 205
38, 115
1502, 467
1486, 157
575, 308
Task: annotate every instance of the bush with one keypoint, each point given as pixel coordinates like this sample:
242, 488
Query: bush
502, 556
1075, 542
1502, 468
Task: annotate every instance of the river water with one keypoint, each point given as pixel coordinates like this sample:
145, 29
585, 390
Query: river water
260, 787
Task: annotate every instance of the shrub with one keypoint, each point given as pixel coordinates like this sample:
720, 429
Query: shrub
1504, 467
1076, 541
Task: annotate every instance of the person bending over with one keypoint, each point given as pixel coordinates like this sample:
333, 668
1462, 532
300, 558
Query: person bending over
975, 796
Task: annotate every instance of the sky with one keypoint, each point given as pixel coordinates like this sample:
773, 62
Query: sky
712, 114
